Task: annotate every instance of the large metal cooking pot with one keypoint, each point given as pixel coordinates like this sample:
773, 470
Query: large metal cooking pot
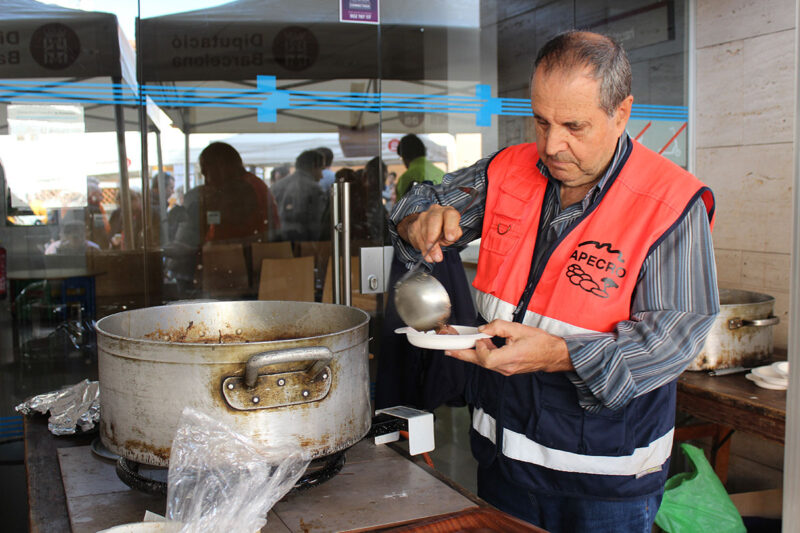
268, 369
742, 333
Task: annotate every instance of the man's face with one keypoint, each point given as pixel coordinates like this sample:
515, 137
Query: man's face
575, 137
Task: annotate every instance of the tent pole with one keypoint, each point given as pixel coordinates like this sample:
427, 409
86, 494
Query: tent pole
144, 131
187, 185
162, 199
791, 461
186, 154
124, 186
147, 209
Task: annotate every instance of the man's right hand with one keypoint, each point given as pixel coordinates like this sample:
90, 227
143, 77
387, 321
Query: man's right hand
439, 224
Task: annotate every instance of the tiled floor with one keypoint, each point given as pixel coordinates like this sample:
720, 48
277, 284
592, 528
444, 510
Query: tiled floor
452, 455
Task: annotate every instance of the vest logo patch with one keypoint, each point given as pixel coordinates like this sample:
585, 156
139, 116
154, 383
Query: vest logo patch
602, 262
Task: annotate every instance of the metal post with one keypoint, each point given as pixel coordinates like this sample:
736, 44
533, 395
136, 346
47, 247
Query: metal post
791, 459
691, 87
187, 156
346, 261
162, 198
144, 126
124, 186
336, 256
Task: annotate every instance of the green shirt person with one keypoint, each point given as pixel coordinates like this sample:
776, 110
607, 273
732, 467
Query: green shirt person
419, 169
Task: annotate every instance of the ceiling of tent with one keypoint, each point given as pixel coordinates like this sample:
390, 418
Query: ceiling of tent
280, 148
200, 66
67, 57
304, 39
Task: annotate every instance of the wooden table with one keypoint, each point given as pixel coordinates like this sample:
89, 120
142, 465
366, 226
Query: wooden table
727, 404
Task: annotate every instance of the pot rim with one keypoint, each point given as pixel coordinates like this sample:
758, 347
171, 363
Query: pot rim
195, 345
755, 298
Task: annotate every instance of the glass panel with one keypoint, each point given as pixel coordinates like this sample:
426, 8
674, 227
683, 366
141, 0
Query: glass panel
253, 93
69, 142
205, 178
654, 35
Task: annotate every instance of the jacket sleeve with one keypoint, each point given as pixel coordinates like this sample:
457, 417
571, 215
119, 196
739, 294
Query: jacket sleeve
423, 195
674, 306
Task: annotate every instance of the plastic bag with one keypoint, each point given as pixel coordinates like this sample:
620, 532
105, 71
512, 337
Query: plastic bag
74, 405
697, 501
220, 480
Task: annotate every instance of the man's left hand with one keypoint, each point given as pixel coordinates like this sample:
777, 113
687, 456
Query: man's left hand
527, 349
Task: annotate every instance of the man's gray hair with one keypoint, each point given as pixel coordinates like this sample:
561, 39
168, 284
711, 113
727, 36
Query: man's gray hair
602, 55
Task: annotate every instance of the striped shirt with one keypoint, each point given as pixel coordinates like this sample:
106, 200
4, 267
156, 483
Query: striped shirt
674, 304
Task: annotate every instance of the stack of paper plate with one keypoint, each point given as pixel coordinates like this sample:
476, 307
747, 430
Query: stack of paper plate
774, 376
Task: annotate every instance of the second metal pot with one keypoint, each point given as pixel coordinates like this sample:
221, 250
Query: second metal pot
742, 333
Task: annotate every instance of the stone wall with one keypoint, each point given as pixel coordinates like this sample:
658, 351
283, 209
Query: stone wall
745, 105
745, 85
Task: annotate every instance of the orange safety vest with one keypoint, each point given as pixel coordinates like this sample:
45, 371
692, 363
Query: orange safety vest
588, 280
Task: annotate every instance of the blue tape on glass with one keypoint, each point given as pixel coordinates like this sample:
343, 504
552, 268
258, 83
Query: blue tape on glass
10, 427
267, 100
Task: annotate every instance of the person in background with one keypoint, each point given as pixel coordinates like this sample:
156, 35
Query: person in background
155, 204
301, 203
169, 189
72, 236
233, 205
176, 198
413, 153
328, 176
389, 195
278, 173
118, 238
368, 218
97, 220
597, 281
176, 214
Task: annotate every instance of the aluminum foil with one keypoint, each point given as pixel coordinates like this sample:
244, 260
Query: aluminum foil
71, 408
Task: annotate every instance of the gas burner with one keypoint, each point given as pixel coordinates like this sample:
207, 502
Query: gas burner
128, 472
149, 480
320, 470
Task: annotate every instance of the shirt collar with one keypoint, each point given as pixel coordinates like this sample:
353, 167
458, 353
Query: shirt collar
622, 148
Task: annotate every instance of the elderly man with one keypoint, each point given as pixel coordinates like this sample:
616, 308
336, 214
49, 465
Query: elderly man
596, 277
300, 201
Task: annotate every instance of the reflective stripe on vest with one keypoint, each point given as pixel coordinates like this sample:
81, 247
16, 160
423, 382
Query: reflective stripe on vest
492, 306
521, 448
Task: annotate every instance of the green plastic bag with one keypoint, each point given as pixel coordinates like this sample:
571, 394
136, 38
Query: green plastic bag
697, 501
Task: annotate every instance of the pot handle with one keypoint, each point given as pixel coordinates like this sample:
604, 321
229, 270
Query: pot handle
320, 355
736, 323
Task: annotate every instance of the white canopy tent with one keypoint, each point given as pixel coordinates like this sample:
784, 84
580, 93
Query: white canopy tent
199, 65
272, 149
61, 56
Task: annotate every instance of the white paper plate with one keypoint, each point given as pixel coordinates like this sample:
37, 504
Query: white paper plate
764, 384
770, 375
782, 368
465, 339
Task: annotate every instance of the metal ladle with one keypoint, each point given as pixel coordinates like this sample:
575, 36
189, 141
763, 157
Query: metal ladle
421, 300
